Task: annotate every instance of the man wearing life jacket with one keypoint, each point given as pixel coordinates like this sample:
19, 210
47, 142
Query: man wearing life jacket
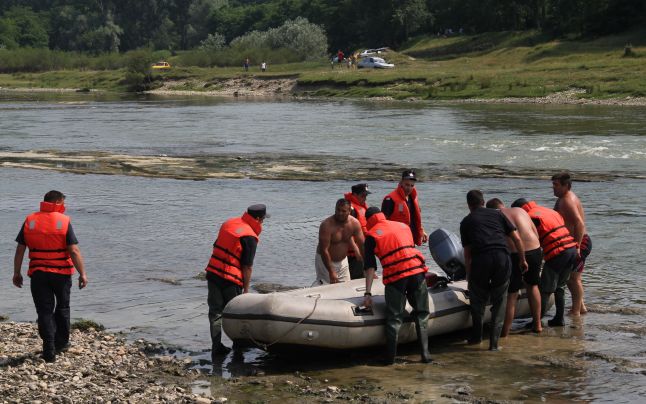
401, 205
229, 269
358, 208
484, 235
404, 267
559, 253
53, 255
570, 207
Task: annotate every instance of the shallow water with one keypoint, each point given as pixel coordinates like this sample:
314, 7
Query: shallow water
145, 239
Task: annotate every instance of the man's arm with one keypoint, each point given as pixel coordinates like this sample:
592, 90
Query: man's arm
324, 250
249, 245
77, 259
246, 277
571, 214
370, 263
17, 264
467, 261
359, 239
520, 249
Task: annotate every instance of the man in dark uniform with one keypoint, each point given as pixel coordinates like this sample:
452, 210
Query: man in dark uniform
404, 271
53, 255
402, 205
229, 269
358, 209
483, 233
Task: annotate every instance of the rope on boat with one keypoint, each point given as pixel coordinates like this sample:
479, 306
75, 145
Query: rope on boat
265, 347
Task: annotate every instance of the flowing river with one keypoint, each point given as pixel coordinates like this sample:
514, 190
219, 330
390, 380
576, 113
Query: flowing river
149, 180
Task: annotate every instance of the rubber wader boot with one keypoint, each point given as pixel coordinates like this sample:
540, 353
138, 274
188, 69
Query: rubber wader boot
391, 351
545, 300
559, 302
476, 329
493, 338
422, 337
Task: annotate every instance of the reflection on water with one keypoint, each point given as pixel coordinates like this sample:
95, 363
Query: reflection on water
145, 240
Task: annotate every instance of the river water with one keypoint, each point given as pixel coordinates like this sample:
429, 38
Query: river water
145, 239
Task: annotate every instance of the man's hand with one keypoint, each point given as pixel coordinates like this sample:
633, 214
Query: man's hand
333, 277
367, 301
424, 237
82, 281
523, 264
17, 280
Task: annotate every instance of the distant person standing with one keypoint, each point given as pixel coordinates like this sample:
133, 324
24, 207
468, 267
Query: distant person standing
404, 267
569, 206
53, 255
559, 253
357, 199
246, 65
401, 205
263, 66
534, 257
339, 56
484, 235
337, 234
229, 269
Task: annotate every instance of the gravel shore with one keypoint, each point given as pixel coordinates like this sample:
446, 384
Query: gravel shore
98, 367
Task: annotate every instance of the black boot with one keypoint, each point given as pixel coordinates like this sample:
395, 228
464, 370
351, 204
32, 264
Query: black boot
219, 351
422, 337
559, 302
476, 330
391, 351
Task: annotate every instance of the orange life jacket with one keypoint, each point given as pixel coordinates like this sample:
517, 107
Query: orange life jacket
553, 235
360, 208
227, 250
394, 246
401, 212
45, 235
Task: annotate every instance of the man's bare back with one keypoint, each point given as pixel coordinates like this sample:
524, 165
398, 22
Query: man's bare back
570, 207
526, 229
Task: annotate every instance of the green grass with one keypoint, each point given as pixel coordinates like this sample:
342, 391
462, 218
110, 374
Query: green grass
85, 325
492, 65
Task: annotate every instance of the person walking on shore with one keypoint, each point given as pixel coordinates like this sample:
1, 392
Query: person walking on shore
357, 199
401, 205
484, 235
534, 257
570, 207
404, 267
337, 234
229, 269
53, 255
559, 253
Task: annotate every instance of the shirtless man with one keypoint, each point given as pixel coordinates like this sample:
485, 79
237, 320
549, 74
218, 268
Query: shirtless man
569, 206
534, 256
337, 234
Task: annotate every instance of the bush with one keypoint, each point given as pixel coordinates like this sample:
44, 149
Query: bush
85, 325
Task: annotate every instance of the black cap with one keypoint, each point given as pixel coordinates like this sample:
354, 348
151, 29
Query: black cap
519, 203
360, 189
258, 211
371, 211
409, 175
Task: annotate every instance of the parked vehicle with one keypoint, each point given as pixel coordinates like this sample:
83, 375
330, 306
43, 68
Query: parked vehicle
161, 66
374, 62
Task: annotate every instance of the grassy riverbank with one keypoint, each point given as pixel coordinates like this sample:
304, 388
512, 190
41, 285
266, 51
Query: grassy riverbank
486, 66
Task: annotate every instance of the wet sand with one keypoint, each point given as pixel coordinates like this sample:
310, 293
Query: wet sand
265, 166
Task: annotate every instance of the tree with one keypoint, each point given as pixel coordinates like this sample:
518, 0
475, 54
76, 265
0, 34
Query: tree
24, 27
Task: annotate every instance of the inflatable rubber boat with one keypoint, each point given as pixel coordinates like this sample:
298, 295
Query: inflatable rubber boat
332, 316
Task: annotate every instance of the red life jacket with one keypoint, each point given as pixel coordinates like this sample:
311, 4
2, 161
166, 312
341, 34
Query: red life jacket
45, 235
227, 250
553, 235
394, 246
402, 214
360, 208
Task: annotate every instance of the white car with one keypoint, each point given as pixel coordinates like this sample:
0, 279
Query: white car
375, 63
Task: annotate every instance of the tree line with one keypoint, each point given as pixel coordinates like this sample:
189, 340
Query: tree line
101, 26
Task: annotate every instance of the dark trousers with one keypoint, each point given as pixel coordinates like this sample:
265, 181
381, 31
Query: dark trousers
51, 293
489, 280
413, 289
221, 292
356, 268
556, 273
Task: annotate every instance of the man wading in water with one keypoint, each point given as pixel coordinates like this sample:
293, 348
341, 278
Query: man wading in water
337, 234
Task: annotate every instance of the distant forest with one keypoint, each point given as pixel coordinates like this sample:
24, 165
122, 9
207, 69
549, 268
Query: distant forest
100, 26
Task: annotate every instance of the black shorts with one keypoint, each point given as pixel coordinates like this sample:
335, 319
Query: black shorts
534, 260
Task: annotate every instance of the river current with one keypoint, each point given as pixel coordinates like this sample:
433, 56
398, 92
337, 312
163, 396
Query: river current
145, 239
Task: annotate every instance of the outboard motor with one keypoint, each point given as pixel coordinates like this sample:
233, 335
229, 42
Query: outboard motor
448, 254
